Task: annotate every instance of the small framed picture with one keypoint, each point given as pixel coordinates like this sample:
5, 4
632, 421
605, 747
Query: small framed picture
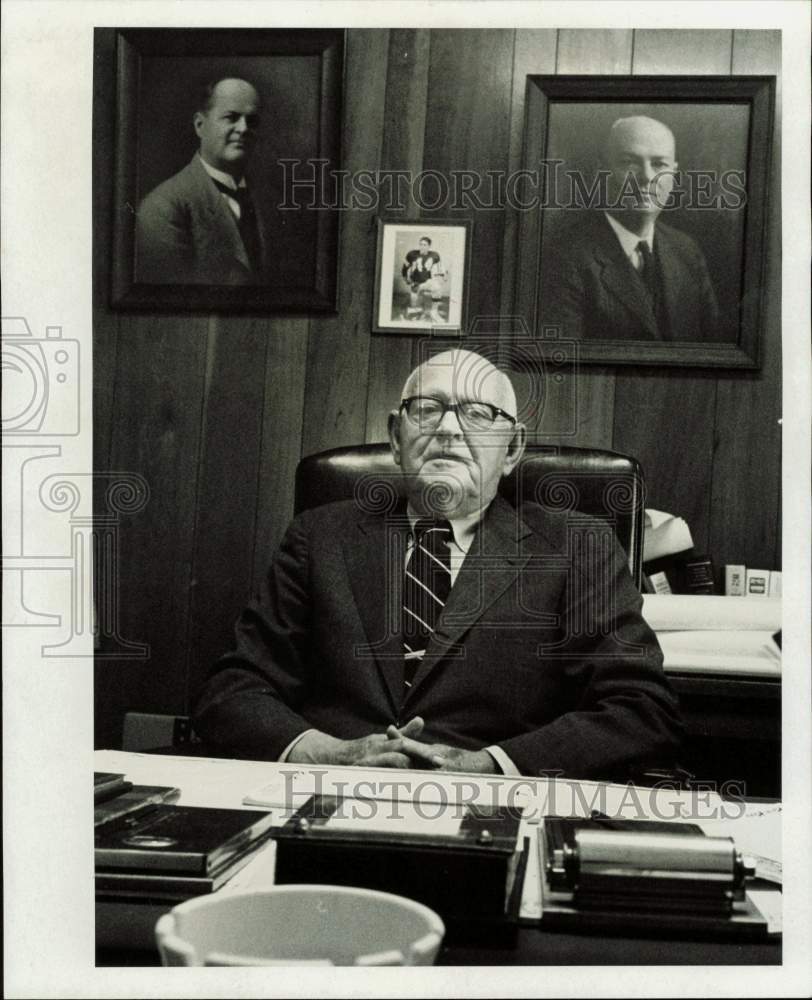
421, 276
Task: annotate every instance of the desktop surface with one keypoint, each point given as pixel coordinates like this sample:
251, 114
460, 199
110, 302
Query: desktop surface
226, 783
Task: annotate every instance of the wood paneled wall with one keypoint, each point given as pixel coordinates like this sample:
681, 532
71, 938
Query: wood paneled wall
215, 411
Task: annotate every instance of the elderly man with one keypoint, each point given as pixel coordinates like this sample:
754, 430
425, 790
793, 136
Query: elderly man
619, 272
201, 226
517, 643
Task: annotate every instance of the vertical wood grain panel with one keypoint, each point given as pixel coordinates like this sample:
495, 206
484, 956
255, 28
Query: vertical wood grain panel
534, 51
667, 419
594, 50
682, 51
747, 461
338, 348
282, 413
467, 127
222, 563
404, 129
156, 433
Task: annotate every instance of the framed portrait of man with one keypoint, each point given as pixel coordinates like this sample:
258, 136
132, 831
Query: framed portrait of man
648, 242
227, 143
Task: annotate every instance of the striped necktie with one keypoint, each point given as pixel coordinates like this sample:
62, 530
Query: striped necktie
425, 590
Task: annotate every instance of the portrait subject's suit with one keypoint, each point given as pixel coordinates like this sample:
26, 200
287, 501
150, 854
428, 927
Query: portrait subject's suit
185, 233
540, 648
591, 290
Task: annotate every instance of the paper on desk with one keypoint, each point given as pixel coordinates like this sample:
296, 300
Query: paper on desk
686, 612
756, 833
203, 781
723, 651
769, 903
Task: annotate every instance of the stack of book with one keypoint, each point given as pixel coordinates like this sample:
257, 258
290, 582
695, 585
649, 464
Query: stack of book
148, 850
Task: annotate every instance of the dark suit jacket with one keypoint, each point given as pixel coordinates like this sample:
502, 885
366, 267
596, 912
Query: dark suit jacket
540, 648
185, 233
590, 289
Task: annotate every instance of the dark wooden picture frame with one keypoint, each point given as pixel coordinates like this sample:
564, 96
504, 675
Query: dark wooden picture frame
723, 130
298, 74
437, 303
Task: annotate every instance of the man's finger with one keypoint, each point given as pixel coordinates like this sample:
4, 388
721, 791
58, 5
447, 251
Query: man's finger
389, 759
412, 729
426, 752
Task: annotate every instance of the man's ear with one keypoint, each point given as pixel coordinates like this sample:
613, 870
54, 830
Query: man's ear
515, 449
197, 121
393, 426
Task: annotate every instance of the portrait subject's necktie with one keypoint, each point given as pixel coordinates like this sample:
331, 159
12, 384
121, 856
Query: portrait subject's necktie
425, 590
246, 223
648, 272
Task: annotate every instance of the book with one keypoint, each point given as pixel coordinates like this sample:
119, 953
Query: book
107, 785
734, 580
699, 575
179, 839
135, 802
166, 886
775, 583
659, 583
757, 583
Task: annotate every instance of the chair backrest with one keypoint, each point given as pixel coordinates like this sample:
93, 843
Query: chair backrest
601, 483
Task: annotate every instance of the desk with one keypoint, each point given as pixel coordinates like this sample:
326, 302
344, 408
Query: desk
224, 783
732, 730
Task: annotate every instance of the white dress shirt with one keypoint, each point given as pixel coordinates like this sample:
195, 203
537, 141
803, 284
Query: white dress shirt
228, 181
629, 241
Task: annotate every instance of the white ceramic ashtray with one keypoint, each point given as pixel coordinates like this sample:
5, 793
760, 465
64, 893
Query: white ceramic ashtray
300, 925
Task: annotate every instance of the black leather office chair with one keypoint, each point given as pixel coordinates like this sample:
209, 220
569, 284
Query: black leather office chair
601, 483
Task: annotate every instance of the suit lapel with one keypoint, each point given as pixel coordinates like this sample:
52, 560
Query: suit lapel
374, 555
222, 223
492, 564
619, 277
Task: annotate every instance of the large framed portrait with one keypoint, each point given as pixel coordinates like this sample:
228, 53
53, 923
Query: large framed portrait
642, 208
227, 147
421, 277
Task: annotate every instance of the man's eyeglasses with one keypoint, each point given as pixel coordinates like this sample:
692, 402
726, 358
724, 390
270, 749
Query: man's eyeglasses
427, 412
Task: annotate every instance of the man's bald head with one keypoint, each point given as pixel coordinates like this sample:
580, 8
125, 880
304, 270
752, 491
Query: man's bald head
636, 128
469, 376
